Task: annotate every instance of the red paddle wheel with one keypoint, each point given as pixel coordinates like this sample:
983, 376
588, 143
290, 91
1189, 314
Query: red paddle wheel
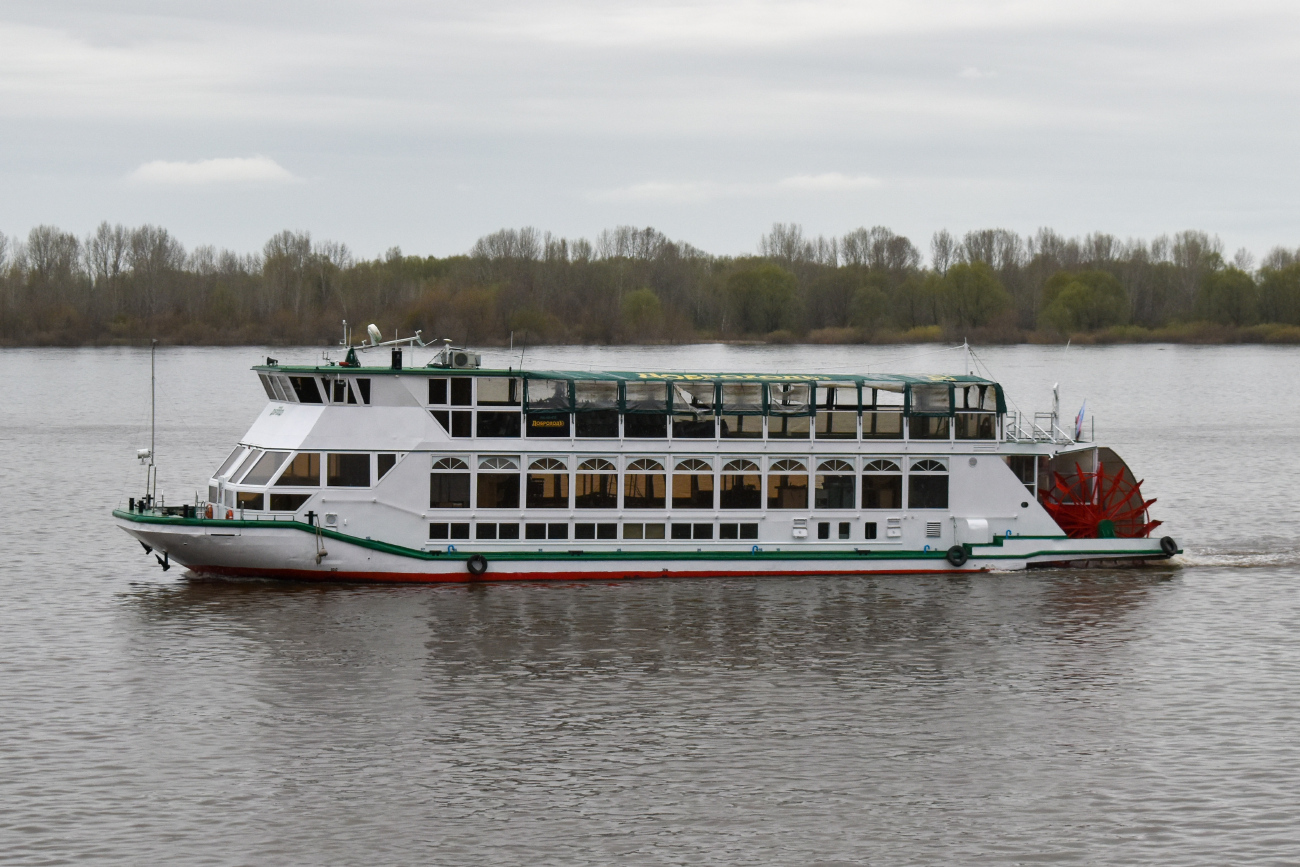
1093, 505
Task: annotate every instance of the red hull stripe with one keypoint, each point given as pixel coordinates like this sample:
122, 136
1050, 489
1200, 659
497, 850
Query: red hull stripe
589, 575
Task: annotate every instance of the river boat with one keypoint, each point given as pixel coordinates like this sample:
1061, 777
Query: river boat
449, 471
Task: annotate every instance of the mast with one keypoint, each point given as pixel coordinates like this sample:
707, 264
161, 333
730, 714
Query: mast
151, 484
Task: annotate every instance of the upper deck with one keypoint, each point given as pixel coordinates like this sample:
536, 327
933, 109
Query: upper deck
550, 404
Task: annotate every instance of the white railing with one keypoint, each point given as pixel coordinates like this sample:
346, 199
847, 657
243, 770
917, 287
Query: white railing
1042, 427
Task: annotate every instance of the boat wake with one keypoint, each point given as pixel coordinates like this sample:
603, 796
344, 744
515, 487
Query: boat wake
1237, 559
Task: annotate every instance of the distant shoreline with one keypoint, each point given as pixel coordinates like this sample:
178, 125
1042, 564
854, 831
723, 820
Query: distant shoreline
1192, 333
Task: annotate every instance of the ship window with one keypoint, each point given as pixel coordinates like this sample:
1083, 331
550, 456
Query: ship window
450, 464
363, 386
787, 485
976, 426
443, 418
741, 486
595, 531
649, 397
276, 388
498, 391
266, 384
789, 398
386, 463
788, 427
681, 531
288, 502
869, 531
303, 471
498, 424
231, 462
597, 424
738, 531
548, 394
498, 490
249, 500
348, 471
692, 484
644, 425
462, 388
595, 395
1026, 469
306, 389
596, 485
694, 427
928, 427
449, 490
449, 531
547, 484
644, 485
462, 422
697, 398
742, 397
882, 485
927, 485
437, 391
643, 531
833, 486
837, 395
741, 426
930, 399
264, 469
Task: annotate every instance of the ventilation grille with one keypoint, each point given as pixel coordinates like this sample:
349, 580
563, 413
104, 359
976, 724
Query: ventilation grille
932, 529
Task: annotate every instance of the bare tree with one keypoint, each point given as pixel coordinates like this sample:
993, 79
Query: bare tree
1280, 257
943, 251
106, 254
879, 248
153, 254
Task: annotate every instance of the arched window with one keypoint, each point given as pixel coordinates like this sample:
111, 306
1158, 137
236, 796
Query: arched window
547, 484
882, 485
693, 484
927, 484
498, 483
449, 484
645, 485
596, 486
742, 485
833, 486
787, 484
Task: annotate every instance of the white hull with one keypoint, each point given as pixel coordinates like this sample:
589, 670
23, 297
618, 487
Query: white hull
241, 549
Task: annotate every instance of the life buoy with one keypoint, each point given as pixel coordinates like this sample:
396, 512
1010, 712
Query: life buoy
207, 513
229, 514
1169, 546
957, 555
477, 564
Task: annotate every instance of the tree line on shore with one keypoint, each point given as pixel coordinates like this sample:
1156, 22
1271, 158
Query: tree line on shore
630, 285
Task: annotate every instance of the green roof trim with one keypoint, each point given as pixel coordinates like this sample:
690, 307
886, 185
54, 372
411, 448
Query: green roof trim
632, 376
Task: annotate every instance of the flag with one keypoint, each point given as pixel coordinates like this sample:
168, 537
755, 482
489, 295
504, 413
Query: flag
1078, 422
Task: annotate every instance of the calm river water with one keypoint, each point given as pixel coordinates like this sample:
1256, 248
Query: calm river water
1130, 717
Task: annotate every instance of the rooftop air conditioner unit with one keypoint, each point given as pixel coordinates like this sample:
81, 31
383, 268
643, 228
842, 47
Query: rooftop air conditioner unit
463, 360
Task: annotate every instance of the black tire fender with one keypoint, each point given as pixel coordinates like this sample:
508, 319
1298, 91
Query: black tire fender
1169, 546
476, 564
957, 555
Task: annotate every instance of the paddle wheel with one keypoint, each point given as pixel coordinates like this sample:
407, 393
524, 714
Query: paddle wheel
1098, 504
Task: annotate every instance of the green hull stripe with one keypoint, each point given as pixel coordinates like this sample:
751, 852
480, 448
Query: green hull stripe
402, 551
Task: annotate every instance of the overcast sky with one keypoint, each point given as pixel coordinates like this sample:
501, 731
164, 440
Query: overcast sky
428, 124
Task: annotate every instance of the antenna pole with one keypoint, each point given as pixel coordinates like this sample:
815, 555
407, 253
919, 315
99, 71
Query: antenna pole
152, 486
